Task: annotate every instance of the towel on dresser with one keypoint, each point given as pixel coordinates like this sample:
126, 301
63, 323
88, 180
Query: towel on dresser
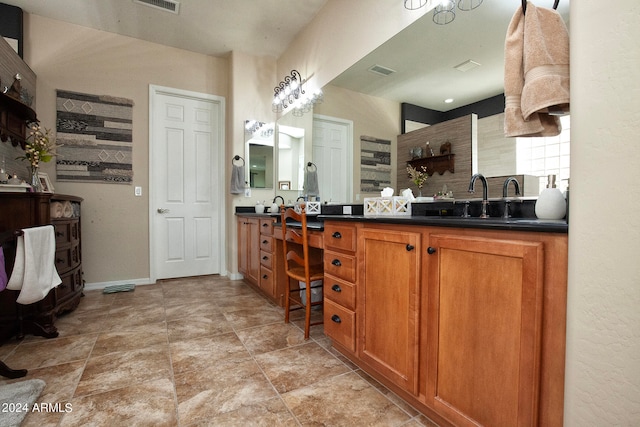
55, 210
34, 271
536, 78
67, 209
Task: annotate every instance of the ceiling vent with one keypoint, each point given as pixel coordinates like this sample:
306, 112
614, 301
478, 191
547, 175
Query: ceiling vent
380, 70
467, 65
166, 5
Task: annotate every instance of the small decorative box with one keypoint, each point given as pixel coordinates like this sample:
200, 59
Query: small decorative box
395, 205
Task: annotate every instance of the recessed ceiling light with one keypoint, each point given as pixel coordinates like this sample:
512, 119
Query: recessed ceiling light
448, 100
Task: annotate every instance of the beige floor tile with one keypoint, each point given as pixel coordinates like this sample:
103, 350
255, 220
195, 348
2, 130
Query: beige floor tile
296, 367
268, 413
49, 352
200, 353
343, 400
255, 315
223, 387
263, 339
117, 370
130, 338
195, 326
196, 308
150, 403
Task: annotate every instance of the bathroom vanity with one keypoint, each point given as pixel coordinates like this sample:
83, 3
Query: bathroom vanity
464, 319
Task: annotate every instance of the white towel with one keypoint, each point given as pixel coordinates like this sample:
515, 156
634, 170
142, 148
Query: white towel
237, 179
34, 271
56, 210
67, 209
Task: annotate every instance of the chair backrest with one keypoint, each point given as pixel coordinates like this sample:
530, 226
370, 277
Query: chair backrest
299, 236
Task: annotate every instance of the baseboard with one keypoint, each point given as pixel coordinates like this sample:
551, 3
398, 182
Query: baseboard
236, 276
102, 285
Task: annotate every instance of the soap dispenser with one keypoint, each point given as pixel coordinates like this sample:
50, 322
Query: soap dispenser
551, 204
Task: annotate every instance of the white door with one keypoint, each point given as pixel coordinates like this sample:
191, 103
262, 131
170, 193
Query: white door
186, 140
333, 155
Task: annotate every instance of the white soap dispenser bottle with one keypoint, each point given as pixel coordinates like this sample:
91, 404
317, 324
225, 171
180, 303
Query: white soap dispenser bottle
551, 204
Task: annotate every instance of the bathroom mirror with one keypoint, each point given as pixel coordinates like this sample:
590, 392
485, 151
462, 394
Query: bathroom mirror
418, 65
294, 141
260, 152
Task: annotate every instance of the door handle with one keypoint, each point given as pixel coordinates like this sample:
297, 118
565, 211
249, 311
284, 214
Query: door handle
163, 211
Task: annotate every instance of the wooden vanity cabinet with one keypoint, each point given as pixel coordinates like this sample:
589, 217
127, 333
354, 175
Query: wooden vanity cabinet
249, 248
389, 302
257, 257
467, 325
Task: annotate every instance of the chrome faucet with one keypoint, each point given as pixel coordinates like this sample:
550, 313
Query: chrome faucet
485, 195
278, 197
505, 187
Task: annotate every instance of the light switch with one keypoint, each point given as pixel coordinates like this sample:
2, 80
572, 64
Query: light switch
138, 191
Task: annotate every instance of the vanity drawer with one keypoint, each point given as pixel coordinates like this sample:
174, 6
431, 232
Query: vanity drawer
340, 291
340, 325
266, 259
341, 237
266, 280
266, 226
340, 265
266, 243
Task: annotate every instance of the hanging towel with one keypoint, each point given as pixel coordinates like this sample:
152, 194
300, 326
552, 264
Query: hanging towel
536, 72
34, 271
311, 182
3, 271
237, 179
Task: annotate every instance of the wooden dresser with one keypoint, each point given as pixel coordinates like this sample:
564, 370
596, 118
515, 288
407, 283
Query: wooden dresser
23, 210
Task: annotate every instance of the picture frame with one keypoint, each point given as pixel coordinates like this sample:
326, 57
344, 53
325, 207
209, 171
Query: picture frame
284, 185
45, 182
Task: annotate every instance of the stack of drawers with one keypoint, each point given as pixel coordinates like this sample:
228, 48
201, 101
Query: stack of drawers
267, 258
340, 269
68, 259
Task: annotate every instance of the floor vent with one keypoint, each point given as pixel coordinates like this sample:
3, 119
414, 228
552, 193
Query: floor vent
383, 71
166, 5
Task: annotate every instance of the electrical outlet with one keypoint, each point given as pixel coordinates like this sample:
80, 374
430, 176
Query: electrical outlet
138, 191
357, 197
247, 192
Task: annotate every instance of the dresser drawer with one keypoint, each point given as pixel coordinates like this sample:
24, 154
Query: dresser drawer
340, 265
266, 243
340, 325
67, 258
341, 237
71, 283
266, 226
66, 230
340, 291
266, 259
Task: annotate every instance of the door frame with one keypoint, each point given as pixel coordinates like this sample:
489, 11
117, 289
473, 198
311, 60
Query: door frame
154, 91
348, 124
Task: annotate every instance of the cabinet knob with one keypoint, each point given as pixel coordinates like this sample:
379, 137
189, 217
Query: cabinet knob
265, 224
336, 288
336, 318
265, 257
410, 247
337, 235
431, 250
265, 276
336, 262
264, 242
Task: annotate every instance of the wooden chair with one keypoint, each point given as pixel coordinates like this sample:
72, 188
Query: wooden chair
298, 267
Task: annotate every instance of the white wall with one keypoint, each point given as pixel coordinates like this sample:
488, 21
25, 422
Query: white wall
603, 330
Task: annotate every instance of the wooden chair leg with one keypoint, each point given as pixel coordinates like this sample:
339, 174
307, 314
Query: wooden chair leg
287, 300
307, 311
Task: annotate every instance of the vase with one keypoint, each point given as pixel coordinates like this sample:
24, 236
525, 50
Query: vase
35, 180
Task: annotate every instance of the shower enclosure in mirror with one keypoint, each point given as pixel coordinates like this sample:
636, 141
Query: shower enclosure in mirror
260, 152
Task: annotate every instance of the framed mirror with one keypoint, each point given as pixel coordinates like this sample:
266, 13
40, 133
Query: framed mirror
260, 153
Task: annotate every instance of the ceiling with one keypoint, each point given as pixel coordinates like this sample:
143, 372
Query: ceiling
210, 27
423, 55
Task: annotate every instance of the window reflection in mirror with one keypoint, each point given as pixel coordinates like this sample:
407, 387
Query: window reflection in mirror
259, 140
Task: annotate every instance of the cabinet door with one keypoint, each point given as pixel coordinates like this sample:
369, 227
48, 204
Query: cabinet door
388, 303
484, 329
249, 249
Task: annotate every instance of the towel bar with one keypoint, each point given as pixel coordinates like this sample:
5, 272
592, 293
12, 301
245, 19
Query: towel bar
524, 5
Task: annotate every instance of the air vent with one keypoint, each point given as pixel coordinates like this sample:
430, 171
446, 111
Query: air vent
166, 5
466, 65
383, 71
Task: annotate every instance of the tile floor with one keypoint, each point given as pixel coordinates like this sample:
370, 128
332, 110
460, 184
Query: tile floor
203, 351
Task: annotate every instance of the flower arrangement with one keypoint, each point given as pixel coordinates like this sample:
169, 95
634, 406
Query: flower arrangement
417, 177
39, 146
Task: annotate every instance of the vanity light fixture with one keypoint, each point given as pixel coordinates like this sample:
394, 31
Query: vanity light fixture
287, 91
250, 126
414, 4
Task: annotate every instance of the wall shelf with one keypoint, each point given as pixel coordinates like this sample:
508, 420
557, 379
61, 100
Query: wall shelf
440, 164
13, 118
